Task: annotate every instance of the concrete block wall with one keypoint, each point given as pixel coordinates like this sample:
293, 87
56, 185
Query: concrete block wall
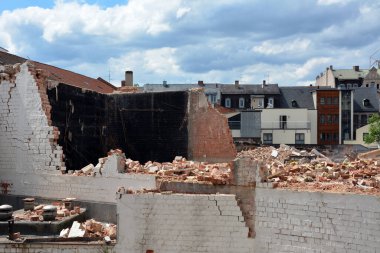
181, 223
244, 171
26, 138
290, 221
100, 188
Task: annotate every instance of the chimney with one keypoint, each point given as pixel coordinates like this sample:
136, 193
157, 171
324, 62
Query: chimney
237, 83
200, 83
356, 68
331, 67
128, 78
165, 84
264, 83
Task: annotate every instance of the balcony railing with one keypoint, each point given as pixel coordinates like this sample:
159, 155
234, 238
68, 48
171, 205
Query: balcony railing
285, 125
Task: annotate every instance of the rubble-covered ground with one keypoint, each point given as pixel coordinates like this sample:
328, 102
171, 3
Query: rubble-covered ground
285, 167
178, 170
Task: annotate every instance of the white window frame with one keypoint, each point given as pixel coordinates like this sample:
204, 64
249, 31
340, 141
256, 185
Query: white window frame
227, 103
271, 102
241, 102
260, 103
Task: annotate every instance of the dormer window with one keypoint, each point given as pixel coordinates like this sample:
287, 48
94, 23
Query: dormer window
294, 103
227, 103
366, 102
241, 102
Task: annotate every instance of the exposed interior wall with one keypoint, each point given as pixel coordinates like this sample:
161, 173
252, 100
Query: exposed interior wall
210, 138
181, 223
290, 221
148, 126
80, 117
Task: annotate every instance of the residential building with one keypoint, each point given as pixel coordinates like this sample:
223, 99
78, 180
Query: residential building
327, 103
294, 121
211, 90
249, 96
349, 78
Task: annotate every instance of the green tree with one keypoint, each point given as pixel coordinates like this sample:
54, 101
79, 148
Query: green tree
374, 130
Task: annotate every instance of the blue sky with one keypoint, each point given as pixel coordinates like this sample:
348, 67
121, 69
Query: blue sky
288, 42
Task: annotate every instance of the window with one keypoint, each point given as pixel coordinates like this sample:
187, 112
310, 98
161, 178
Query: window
241, 102
328, 101
355, 85
372, 84
335, 100
300, 138
270, 103
261, 103
322, 101
227, 102
365, 136
283, 121
349, 85
328, 119
322, 119
294, 103
335, 118
363, 119
212, 98
267, 138
366, 102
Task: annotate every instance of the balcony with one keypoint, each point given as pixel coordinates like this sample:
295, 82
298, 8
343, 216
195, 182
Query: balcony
285, 125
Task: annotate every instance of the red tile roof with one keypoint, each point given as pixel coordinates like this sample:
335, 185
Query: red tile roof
62, 75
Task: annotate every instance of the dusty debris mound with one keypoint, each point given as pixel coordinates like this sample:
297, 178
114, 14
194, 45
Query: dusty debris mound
182, 170
287, 167
92, 229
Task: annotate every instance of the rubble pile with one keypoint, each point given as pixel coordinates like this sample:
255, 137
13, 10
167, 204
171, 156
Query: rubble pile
92, 229
37, 213
182, 170
178, 170
287, 167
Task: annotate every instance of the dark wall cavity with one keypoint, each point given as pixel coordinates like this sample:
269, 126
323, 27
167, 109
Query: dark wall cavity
146, 126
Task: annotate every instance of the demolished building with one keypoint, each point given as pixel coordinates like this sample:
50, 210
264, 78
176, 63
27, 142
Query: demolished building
254, 201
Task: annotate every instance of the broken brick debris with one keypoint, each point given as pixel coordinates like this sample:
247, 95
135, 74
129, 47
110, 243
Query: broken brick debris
37, 213
287, 167
178, 170
92, 229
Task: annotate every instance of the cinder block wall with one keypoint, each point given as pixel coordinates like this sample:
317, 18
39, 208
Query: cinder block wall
27, 141
289, 221
181, 223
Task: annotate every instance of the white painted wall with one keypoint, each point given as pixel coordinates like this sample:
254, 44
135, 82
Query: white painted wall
181, 223
359, 137
299, 120
25, 136
290, 221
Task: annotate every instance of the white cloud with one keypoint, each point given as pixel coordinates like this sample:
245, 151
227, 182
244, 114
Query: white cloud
272, 48
181, 12
311, 65
331, 2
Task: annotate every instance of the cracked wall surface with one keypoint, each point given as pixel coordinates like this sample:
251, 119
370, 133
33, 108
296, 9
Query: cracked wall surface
27, 140
181, 223
289, 221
